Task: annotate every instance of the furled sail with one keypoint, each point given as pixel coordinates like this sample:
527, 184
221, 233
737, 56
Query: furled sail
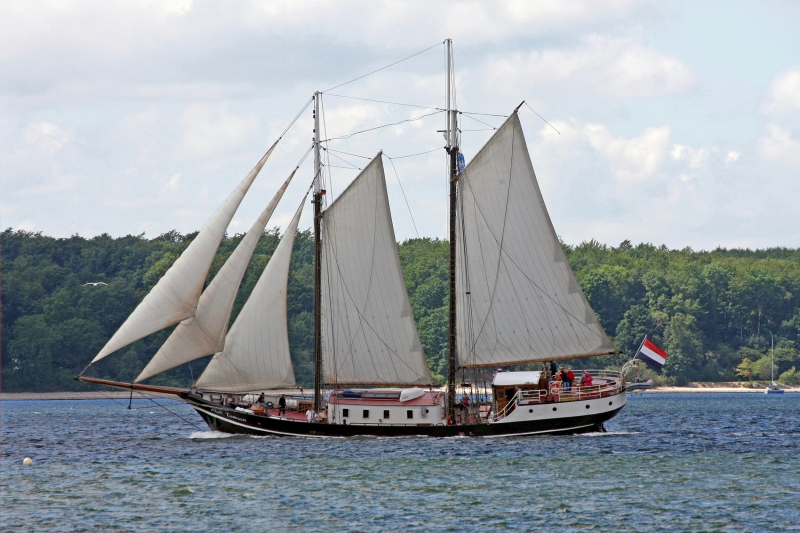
518, 300
176, 294
368, 331
256, 354
204, 334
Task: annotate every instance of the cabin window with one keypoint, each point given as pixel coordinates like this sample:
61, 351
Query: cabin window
500, 393
365, 414
410, 414
386, 413
345, 412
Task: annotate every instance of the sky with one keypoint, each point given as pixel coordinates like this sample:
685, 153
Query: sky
672, 123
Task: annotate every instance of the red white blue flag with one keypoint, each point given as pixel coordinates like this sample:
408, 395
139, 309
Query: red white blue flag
651, 354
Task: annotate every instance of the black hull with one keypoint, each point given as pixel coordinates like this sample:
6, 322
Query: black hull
230, 421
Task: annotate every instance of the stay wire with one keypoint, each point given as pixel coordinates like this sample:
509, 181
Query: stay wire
384, 68
296, 117
541, 117
347, 136
384, 102
482, 122
404, 194
171, 412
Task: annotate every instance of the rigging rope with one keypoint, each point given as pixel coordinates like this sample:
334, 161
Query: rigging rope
384, 68
404, 195
347, 136
384, 102
541, 117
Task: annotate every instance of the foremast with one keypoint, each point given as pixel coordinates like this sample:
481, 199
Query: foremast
452, 178
317, 201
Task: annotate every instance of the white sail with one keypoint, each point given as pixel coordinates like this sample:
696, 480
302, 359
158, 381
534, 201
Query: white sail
368, 330
176, 294
518, 300
204, 334
256, 354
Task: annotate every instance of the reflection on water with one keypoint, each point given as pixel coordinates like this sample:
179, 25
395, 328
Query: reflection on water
677, 462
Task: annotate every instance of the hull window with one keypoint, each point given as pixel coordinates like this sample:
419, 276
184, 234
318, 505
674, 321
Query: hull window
345, 413
385, 414
365, 414
410, 414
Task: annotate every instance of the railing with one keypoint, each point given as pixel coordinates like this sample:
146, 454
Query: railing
613, 385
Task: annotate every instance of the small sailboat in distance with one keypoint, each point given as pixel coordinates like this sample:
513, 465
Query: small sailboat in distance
772, 388
513, 299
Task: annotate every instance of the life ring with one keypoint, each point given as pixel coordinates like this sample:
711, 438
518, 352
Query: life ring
555, 387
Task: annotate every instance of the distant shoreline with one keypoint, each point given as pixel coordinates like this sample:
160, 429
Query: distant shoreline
106, 395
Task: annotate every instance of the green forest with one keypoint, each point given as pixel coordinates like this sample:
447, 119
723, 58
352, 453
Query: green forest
715, 313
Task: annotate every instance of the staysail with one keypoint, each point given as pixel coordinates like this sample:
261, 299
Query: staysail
204, 334
368, 331
518, 300
256, 354
176, 294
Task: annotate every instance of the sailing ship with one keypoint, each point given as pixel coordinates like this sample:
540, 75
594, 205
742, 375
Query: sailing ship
513, 300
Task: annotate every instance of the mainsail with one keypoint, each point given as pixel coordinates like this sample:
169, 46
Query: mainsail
368, 332
518, 300
256, 354
204, 334
175, 296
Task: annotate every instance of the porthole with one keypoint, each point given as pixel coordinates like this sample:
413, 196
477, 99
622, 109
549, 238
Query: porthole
530, 410
609, 403
555, 408
587, 405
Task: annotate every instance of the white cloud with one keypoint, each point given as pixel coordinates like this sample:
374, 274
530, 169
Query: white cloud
732, 157
695, 157
171, 185
779, 146
59, 182
631, 160
26, 225
617, 67
211, 130
784, 93
47, 137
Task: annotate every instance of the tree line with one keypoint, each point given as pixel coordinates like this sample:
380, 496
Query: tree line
716, 313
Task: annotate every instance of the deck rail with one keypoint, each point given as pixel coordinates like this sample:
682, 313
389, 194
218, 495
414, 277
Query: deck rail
612, 384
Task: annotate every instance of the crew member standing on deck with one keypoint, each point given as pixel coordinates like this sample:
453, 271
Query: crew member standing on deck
310, 416
282, 405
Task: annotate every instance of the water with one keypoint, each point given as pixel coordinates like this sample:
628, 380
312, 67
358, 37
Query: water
677, 462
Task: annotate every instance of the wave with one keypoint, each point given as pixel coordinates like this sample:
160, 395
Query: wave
607, 433
210, 435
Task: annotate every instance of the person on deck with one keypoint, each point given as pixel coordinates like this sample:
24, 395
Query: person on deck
570, 379
260, 400
586, 379
282, 405
310, 416
553, 368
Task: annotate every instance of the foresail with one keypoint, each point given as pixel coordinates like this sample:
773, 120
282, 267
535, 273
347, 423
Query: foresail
518, 300
256, 354
176, 294
204, 334
368, 330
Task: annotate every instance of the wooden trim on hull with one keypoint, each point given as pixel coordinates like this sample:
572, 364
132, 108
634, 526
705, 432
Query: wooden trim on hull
228, 421
135, 386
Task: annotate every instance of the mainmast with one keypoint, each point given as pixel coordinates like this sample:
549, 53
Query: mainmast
317, 201
452, 171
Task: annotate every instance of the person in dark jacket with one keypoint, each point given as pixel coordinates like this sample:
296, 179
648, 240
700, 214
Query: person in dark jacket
282, 405
553, 368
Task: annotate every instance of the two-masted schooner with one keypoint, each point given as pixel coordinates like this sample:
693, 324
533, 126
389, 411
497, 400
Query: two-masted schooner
513, 299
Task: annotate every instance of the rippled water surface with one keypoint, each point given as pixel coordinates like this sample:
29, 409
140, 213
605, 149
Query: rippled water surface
670, 462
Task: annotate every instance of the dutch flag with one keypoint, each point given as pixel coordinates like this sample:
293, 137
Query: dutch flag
651, 354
